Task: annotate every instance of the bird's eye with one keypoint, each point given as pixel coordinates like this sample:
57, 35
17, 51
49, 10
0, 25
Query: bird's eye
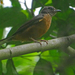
50, 8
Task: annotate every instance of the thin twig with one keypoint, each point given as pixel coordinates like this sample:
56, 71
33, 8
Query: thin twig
32, 8
27, 7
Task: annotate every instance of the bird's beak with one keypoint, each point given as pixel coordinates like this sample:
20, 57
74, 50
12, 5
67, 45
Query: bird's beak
57, 10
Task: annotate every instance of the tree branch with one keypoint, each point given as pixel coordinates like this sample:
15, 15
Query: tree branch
36, 47
70, 51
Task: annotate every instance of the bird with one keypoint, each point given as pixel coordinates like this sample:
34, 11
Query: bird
34, 28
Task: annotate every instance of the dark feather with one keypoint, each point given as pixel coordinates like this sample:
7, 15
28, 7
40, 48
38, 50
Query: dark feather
28, 24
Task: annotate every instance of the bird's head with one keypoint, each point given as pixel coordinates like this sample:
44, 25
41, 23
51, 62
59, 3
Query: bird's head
50, 9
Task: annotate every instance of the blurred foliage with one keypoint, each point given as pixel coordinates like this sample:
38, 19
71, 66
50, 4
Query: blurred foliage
51, 61
11, 70
0, 68
43, 67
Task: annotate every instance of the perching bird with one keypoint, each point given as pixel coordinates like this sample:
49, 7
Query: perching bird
34, 28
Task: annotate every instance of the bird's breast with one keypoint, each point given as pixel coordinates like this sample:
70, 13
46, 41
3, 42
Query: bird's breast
45, 24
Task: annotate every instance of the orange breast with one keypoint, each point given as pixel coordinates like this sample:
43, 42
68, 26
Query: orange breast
35, 31
45, 24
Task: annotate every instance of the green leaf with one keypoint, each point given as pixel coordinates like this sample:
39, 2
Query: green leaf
11, 70
62, 4
1, 32
49, 2
0, 68
43, 67
11, 17
40, 3
15, 3
67, 71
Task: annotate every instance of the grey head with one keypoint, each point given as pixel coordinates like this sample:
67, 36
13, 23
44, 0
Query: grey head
50, 9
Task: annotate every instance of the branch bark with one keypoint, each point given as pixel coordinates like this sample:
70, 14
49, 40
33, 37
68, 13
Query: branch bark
36, 47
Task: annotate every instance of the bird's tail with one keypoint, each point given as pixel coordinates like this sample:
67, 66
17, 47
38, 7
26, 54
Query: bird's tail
5, 40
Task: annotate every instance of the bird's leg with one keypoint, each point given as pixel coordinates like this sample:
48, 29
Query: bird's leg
35, 41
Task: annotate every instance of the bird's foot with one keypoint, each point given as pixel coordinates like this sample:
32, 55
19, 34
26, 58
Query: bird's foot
44, 41
39, 41
36, 41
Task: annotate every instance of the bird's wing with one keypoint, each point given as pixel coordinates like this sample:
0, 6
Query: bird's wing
31, 22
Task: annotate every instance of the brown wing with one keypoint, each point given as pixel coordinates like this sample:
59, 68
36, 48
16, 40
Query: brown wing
31, 22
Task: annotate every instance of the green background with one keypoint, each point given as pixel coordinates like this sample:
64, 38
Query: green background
51, 62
